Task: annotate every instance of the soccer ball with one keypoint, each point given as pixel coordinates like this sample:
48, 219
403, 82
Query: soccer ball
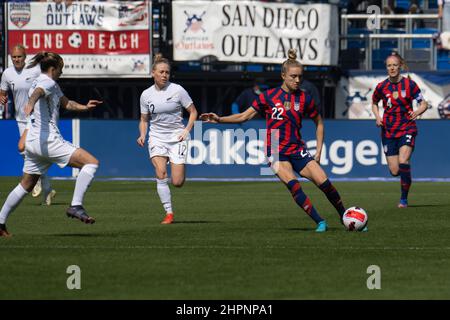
75, 40
355, 219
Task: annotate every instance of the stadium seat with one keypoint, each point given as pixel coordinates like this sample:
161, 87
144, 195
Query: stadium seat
418, 59
443, 60
390, 43
423, 43
357, 43
378, 58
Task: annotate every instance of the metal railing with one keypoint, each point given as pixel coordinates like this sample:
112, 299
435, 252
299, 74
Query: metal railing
372, 40
409, 18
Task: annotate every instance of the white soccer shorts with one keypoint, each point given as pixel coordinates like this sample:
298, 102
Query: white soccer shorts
175, 151
39, 156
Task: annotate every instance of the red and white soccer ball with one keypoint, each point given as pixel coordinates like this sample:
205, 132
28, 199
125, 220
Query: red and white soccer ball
355, 219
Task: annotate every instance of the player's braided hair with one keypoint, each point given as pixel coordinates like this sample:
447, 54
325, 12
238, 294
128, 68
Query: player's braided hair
159, 59
46, 60
291, 61
403, 65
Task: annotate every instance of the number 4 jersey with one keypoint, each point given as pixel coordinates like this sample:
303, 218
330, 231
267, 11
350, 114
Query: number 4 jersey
284, 113
397, 103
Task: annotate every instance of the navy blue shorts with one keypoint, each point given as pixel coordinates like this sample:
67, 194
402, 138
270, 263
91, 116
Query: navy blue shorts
298, 161
392, 146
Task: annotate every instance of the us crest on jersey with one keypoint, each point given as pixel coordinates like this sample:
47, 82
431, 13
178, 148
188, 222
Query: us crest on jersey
297, 106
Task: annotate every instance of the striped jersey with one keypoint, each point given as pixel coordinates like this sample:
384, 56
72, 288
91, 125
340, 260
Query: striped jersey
397, 102
284, 112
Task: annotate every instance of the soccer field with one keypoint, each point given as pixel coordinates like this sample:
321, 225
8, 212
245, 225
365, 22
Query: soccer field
234, 240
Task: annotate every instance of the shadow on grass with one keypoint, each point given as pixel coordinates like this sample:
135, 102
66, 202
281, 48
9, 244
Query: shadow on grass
312, 229
427, 205
84, 235
194, 221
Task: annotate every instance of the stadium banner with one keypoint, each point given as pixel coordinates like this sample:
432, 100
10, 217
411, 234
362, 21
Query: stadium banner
354, 94
95, 39
352, 149
255, 31
11, 162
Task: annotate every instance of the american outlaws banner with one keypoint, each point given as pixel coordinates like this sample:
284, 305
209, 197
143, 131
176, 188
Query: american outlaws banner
94, 38
253, 31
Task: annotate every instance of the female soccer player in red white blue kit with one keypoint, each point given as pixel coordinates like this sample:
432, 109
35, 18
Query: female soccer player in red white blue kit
284, 109
398, 126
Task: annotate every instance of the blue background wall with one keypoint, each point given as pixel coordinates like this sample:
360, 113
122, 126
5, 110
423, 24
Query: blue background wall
11, 162
113, 142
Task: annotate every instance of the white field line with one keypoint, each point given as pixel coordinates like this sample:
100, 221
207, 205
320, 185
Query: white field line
144, 247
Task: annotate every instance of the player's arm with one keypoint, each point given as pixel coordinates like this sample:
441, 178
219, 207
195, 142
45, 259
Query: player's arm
75, 106
320, 133
378, 119
21, 144
235, 118
35, 96
193, 114
143, 126
423, 106
3, 97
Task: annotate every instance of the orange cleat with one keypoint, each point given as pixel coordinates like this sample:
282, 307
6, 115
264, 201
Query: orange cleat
168, 219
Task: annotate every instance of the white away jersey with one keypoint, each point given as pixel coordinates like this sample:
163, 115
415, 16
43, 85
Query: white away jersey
46, 109
165, 110
19, 83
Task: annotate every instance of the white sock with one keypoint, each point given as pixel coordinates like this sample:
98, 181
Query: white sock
13, 200
162, 185
83, 181
46, 187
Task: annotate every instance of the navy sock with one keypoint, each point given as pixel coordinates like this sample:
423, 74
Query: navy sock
302, 200
333, 196
405, 179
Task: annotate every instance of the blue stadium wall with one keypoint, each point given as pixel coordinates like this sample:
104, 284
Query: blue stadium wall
352, 149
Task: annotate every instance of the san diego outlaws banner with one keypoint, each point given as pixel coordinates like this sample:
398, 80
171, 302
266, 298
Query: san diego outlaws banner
253, 31
94, 38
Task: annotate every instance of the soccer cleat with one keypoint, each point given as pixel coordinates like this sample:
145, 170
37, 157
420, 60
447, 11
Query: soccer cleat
3, 231
37, 189
49, 198
403, 203
168, 219
79, 213
322, 226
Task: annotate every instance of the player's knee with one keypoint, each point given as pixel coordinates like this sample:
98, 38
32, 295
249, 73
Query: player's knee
178, 183
161, 175
94, 161
394, 172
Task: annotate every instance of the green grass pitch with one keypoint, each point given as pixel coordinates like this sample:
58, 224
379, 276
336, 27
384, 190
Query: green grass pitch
233, 240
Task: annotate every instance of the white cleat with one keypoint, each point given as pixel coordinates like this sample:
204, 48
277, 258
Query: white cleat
49, 198
37, 189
